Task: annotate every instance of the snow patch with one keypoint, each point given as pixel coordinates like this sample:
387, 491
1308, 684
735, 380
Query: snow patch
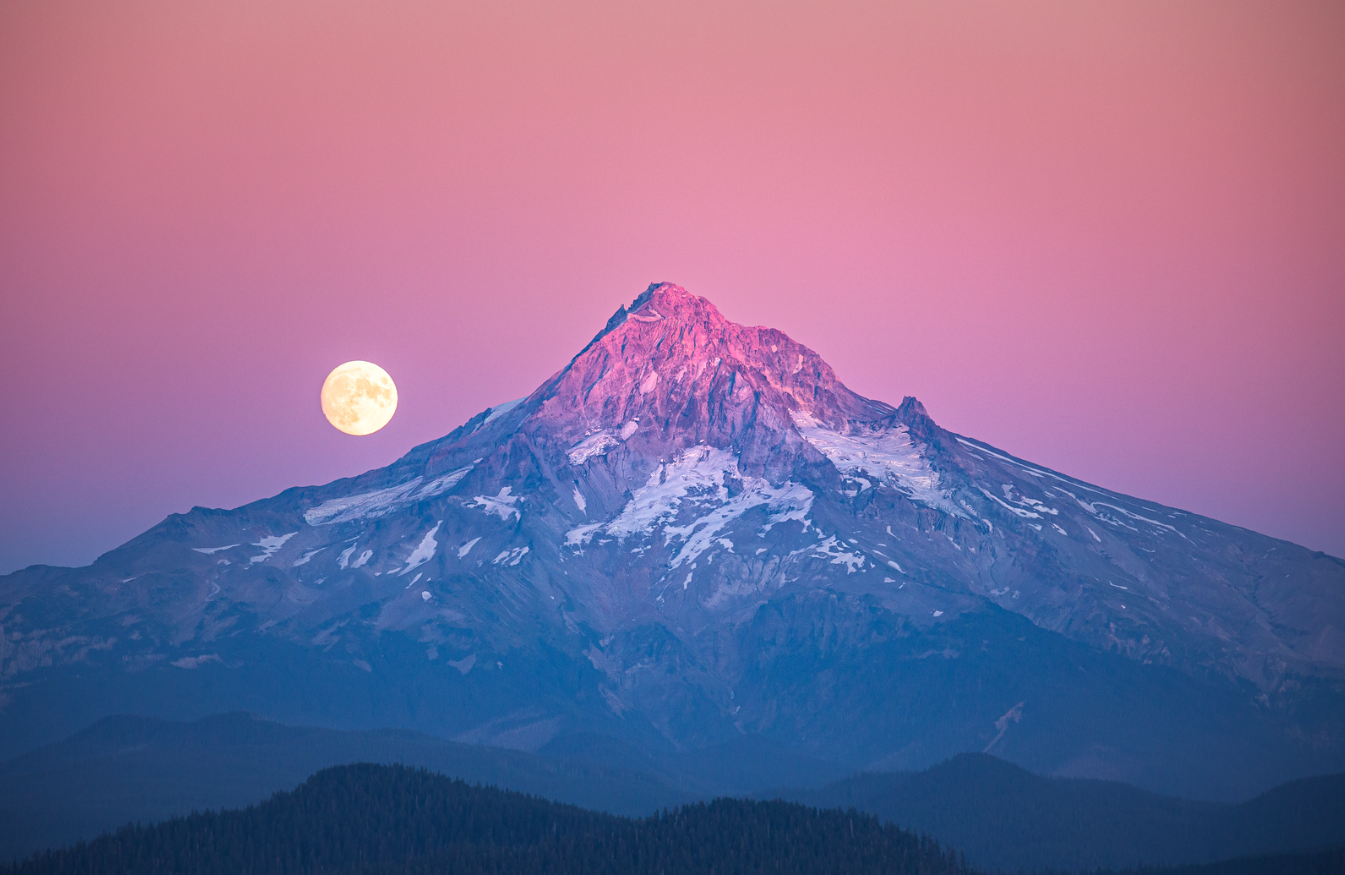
501, 409
698, 478
1035, 472
424, 551
364, 505
269, 546
502, 504
697, 472
793, 506
380, 502
344, 559
510, 557
597, 444
580, 502
888, 455
630, 428
304, 560
1144, 519
467, 548
831, 549
1090, 507
363, 558
1022, 512
582, 535
209, 550
1026, 501
440, 485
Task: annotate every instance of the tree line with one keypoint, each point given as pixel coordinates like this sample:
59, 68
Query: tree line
378, 820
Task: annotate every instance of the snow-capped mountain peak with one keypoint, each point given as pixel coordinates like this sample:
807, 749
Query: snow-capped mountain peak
694, 529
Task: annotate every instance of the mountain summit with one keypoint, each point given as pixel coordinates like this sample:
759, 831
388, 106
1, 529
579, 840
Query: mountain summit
673, 362
671, 373
692, 532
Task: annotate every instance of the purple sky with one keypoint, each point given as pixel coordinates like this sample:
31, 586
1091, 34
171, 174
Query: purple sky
1109, 238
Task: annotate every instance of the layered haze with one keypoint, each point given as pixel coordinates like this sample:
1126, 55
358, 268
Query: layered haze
1107, 239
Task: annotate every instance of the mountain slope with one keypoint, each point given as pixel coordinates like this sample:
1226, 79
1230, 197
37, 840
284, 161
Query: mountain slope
695, 531
133, 769
1007, 819
136, 769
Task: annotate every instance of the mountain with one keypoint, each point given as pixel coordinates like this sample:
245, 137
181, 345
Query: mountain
137, 769
124, 769
695, 532
390, 819
1004, 818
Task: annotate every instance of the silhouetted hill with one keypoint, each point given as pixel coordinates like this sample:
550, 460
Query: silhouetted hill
385, 819
124, 769
127, 768
1002, 816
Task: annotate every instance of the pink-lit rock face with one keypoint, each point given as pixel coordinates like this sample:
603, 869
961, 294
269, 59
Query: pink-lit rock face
702, 360
695, 530
671, 373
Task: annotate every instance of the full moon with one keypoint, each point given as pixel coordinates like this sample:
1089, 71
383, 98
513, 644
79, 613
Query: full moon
359, 398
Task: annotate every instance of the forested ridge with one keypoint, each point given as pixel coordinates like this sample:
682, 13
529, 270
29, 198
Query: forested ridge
392, 819
997, 814
368, 819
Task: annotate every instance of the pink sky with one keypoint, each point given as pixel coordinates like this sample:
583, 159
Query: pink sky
1107, 237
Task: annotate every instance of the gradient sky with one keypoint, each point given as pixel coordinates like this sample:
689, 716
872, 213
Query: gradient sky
1107, 237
